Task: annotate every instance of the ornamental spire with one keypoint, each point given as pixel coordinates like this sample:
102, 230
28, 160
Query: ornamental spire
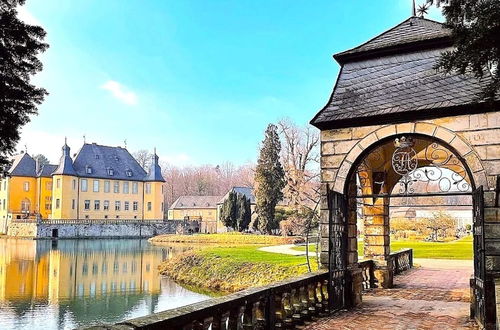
414, 12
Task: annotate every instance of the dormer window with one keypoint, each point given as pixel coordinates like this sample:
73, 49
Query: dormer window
128, 173
110, 171
116, 158
88, 169
96, 156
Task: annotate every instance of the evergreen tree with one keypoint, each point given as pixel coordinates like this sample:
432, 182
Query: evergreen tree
228, 211
476, 35
20, 43
269, 180
244, 213
235, 212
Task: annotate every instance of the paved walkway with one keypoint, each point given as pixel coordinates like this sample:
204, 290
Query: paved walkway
287, 249
433, 296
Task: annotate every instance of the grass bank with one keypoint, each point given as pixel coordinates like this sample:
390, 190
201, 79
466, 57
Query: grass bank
459, 249
226, 238
234, 264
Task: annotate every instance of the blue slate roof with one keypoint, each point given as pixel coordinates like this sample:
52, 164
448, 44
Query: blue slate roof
247, 191
154, 171
47, 170
106, 162
22, 165
65, 166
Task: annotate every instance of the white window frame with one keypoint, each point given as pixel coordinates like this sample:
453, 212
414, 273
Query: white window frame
86, 205
135, 187
84, 185
107, 186
116, 187
95, 186
125, 188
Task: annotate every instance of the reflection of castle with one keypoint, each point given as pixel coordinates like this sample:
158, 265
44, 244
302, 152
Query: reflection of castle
31, 270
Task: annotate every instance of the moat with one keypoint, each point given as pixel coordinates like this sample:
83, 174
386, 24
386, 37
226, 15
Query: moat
71, 283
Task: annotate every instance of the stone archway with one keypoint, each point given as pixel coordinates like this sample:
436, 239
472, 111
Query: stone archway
391, 157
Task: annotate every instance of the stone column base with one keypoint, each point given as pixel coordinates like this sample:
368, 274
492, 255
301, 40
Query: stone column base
383, 273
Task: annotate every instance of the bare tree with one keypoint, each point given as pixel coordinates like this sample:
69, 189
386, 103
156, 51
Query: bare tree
300, 159
203, 180
143, 157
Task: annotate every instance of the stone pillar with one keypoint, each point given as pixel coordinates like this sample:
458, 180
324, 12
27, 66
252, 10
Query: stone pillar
377, 239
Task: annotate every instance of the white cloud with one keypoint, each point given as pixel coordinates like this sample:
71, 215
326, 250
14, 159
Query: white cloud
120, 92
26, 16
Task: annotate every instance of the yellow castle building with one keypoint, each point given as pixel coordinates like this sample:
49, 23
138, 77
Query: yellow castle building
100, 182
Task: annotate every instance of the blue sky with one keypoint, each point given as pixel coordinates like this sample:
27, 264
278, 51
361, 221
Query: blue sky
198, 80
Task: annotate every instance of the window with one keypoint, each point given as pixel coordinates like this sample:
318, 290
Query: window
125, 187
73, 204
117, 205
148, 188
5, 185
84, 185
48, 185
135, 206
135, 186
116, 187
126, 206
26, 186
58, 203
106, 186
149, 206
162, 208
110, 171
87, 205
105, 205
88, 169
74, 184
48, 203
97, 205
129, 173
58, 183
96, 185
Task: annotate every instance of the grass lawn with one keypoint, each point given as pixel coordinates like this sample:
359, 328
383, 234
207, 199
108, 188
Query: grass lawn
460, 249
253, 254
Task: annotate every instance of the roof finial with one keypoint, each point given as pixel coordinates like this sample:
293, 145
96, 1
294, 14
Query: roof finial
414, 12
26, 148
125, 143
84, 140
65, 140
154, 150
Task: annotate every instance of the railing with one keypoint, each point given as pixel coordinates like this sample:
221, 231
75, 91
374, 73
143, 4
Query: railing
282, 305
367, 271
402, 260
89, 221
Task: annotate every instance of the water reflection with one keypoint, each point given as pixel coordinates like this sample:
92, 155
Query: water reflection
81, 282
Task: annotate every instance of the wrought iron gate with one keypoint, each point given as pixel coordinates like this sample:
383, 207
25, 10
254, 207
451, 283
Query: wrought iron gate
479, 308
337, 251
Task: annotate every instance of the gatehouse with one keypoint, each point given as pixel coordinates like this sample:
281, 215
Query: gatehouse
395, 128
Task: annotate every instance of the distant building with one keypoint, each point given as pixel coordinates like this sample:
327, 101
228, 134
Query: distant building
101, 182
207, 209
199, 208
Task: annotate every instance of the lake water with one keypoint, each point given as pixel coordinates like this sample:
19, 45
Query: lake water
71, 283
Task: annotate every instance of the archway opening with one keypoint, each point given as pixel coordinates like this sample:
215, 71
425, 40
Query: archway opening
409, 191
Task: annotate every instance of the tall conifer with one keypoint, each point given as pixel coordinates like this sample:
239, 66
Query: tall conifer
269, 180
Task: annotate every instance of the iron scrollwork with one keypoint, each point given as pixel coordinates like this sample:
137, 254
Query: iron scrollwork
421, 164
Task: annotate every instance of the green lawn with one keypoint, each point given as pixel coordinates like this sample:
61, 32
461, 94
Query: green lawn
460, 249
253, 254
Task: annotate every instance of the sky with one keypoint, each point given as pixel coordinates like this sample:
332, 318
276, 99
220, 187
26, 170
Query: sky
199, 80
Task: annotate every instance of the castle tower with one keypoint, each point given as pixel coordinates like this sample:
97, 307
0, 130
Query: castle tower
65, 188
153, 191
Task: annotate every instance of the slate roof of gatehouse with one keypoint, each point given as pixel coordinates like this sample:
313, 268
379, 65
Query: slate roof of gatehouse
379, 82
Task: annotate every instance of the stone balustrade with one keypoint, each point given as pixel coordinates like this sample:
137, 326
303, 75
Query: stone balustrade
284, 305
401, 260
